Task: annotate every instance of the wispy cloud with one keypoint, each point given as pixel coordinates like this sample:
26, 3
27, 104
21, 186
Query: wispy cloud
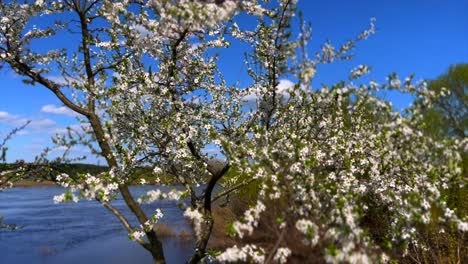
11, 119
65, 81
32, 140
79, 128
284, 89
5, 116
57, 110
41, 125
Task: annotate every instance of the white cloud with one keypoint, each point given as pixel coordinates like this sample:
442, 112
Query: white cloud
39, 131
57, 110
5, 116
195, 46
65, 81
79, 128
252, 97
142, 31
12, 120
284, 87
58, 79
42, 125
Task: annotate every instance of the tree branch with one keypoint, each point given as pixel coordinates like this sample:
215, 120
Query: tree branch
122, 219
52, 86
231, 189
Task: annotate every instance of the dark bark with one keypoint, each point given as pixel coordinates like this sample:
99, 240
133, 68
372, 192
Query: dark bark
202, 237
156, 250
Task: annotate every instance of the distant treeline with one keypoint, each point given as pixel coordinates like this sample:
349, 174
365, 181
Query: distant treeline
48, 172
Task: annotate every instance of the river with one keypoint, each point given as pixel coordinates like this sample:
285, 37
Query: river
83, 232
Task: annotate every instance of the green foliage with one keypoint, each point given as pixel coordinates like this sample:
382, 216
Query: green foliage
448, 116
231, 231
213, 253
40, 172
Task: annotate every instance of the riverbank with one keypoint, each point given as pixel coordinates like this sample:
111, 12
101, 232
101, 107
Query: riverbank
30, 183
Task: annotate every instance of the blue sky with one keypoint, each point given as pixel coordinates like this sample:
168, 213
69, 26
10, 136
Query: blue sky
422, 37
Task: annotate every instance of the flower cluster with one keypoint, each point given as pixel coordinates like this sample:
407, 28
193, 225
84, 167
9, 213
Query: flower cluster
86, 186
359, 71
309, 229
196, 217
154, 195
282, 255
249, 221
245, 254
140, 232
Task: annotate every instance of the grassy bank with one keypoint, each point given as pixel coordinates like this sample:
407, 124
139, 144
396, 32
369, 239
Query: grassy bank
31, 183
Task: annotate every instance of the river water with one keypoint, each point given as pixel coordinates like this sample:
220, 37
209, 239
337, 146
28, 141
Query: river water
83, 232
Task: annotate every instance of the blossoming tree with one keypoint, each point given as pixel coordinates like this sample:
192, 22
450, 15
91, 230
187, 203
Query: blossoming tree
148, 88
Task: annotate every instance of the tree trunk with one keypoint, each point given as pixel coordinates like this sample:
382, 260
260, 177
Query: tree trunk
155, 247
202, 237
157, 252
